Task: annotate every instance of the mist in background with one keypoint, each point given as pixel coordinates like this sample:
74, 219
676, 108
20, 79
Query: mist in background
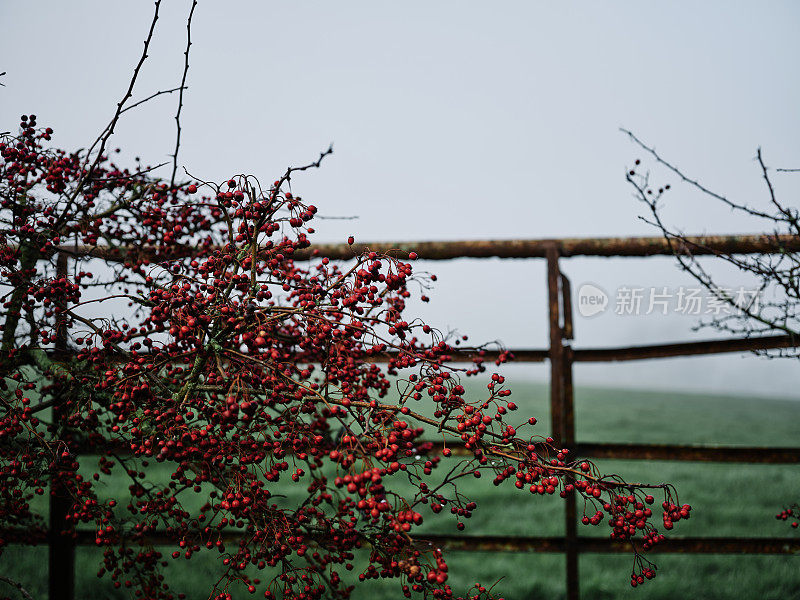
456, 120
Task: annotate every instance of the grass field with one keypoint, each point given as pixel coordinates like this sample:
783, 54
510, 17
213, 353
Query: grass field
727, 499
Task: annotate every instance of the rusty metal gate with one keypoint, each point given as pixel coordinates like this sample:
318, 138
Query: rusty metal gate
561, 356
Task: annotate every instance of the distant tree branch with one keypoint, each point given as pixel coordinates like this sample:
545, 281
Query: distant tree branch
778, 273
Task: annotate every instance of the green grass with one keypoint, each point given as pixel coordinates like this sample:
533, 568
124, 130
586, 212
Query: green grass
727, 500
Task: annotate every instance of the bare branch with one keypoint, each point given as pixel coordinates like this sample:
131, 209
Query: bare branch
102, 140
25, 594
690, 181
777, 273
151, 96
180, 96
314, 165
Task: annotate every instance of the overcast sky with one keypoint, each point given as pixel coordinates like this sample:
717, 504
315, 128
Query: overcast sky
455, 120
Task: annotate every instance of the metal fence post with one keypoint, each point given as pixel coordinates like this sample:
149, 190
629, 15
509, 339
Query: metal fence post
562, 421
568, 439
61, 548
556, 347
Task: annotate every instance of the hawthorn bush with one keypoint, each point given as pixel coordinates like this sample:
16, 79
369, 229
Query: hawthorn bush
242, 366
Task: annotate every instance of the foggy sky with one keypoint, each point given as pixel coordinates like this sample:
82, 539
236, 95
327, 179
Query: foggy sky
454, 120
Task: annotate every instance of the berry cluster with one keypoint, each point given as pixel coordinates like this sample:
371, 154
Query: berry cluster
215, 340
791, 514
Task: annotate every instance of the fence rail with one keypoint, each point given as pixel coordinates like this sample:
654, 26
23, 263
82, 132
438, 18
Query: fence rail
533, 544
677, 452
528, 248
561, 356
